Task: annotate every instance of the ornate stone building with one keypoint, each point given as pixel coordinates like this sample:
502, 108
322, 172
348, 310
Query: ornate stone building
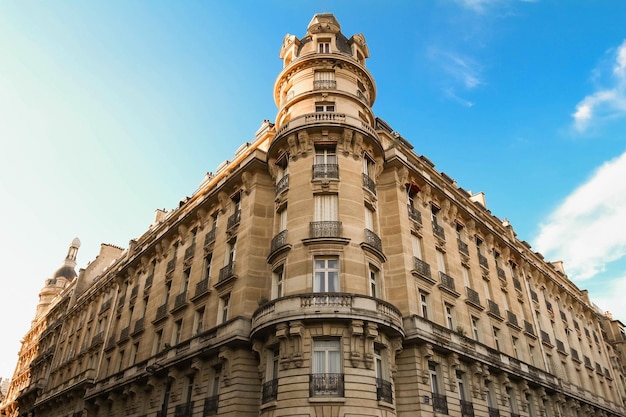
326, 270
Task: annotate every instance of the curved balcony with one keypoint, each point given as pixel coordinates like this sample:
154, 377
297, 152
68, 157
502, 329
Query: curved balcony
314, 306
325, 118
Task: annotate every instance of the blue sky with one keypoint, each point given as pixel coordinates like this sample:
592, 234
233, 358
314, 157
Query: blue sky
110, 110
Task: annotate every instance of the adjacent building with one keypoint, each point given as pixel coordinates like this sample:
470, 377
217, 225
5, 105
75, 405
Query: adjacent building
327, 269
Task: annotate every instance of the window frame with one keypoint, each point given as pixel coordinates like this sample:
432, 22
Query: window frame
326, 270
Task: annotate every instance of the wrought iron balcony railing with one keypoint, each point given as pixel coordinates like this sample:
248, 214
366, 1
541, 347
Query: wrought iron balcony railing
325, 229
421, 267
440, 403
534, 296
501, 274
472, 296
270, 391
493, 308
372, 239
368, 183
202, 287
384, 390
414, 214
189, 252
545, 337
279, 241
529, 328
326, 385
148, 282
124, 334
234, 219
438, 231
321, 171
134, 292
227, 272
517, 284
467, 409
139, 326
170, 266
282, 184
463, 248
482, 261
184, 410
587, 361
180, 301
209, 237
512, 318
560, 346
447, 281
494, 412
161, 312
574, 354
210, 406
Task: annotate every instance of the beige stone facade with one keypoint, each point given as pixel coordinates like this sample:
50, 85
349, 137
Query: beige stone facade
326, 270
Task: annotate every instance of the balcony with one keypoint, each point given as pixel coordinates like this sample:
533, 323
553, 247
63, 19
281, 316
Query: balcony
373, 240
512, 319
161, 313
171, 265
270, 391
134, 292
148, 284
384, 391
209, 237
574, 354
98, 339
528, 328
482, 261
438, 231
587, 361
414, 214
517, 284
210, 406
534, 296
463, 248
124, 334
327, 306
233, 219
279, 241
467, 409
282, 184
202, 288
120, 304
560, 346
324, 229
493, 310
184, 410
326, 171
105, 306
473, 297
500, 273
325, 385
494, 412
447, 283
440, 403
180, 301
598, 369
139, 326
368, 183
422, 268
545, 338
227, 272
324, 84
189, 252
325, 118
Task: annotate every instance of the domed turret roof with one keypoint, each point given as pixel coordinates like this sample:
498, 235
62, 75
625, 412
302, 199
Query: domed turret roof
66, 272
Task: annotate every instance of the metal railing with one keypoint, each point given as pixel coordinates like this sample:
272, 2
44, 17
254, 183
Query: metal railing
528, 328
534, 296
326, 171
446, 280
384, 390
472, 296
517, 284
139, 325
574, 354
494, 412
279, 240
440, 403
324, 84
189, 252
170, 265
227, 272
202, 287
161, 312
149, 281
326, 385
545, 337
560, 346
500, 273
372, 239
325, 229
482, 261
438, 231
512, 318
421, 267
282, 184
369, 184
209, 237
181, 300
463, 248
233, 219
183, 410
467, 409
493, 308
414, 214
210, 406
270, 391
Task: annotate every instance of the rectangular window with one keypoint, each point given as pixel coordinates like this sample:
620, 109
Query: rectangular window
156, 347
368, 165
133, 354
230, 253
369, 219
460, 383
324, 107
326, 274
224, 308
178, 329
277, 282
374, 272
325, 162
323, 80
515, 343
198, 321
496, 335
325, 207
476, 328
120, 364
465, 271
424, 308
186, 276
323, 47
327, 375
325, 154
449, 315
417, 246
207, 265
434, 378
441, 261
282, 219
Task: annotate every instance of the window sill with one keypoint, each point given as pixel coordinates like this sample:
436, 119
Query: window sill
327, 399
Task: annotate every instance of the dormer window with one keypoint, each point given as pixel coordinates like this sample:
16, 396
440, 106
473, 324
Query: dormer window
323, 47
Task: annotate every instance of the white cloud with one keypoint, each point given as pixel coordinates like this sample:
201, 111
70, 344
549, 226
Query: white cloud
461, 73
607, 102
481, 6
587, 230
